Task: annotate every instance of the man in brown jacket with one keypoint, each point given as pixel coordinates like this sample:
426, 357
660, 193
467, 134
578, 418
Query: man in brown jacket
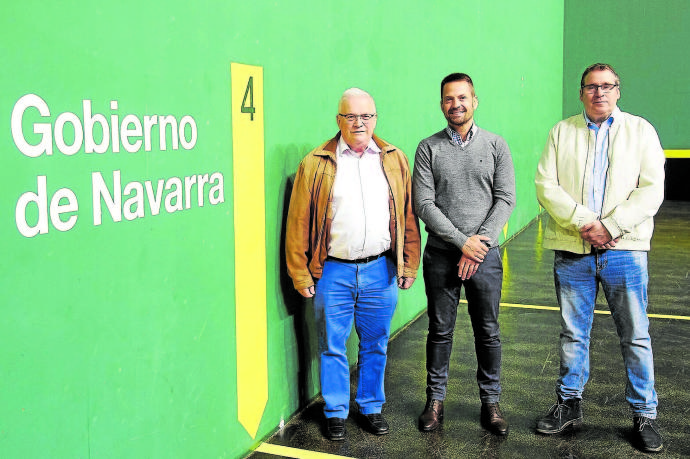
352, 241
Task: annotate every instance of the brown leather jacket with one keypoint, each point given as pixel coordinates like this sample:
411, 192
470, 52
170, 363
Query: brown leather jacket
310, 214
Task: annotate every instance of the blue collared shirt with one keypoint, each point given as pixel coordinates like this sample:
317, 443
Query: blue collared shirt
601, 163
457, 139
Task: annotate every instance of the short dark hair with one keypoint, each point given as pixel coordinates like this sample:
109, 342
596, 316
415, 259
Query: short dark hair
456, 77
598, 67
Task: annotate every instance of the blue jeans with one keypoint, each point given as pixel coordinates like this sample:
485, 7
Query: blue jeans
483, 292
366, 294
623, 276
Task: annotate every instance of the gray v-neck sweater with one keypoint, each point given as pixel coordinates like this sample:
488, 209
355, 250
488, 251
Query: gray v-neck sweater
462, 191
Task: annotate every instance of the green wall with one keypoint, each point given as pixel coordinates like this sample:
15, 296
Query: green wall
646, 41
118, 337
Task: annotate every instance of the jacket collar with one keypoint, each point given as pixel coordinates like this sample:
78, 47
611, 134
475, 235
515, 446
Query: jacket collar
616, 114
618, 119
328, 149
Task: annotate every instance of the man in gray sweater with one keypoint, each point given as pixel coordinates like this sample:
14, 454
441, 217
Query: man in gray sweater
463, 187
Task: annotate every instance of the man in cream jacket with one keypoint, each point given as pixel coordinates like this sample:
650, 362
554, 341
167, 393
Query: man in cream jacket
601, 181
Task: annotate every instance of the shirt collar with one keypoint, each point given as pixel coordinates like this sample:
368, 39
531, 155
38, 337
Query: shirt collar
343, 147
609, 121
457, 139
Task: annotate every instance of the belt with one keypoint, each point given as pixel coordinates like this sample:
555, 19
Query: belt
360, 260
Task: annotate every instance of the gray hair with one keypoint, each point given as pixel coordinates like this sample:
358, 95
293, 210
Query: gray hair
354, 92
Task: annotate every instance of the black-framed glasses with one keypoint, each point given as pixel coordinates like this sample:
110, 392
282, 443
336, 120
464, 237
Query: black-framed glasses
352, 117
592, 88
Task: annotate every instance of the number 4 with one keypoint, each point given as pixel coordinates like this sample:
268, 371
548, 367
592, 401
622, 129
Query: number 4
249, 92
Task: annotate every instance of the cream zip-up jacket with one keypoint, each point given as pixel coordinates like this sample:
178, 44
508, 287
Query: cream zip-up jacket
634, 182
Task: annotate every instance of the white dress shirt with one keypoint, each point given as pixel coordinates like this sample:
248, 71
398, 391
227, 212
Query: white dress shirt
361, 212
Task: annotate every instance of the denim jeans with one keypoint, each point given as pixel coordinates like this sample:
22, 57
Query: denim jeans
366, 294
483, 292
623, 276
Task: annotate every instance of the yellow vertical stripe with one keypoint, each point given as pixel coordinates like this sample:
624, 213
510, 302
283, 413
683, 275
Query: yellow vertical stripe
250, 244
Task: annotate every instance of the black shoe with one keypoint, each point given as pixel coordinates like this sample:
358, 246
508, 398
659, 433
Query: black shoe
492, 419
335, 429
375, 423
432, 416
647, 433
562, 415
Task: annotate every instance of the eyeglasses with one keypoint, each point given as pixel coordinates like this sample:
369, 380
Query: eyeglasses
351, 118
592, 88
